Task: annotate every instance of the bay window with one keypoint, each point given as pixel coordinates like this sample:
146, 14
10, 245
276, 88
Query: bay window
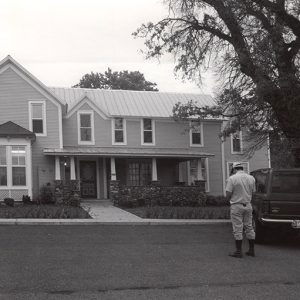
13, 166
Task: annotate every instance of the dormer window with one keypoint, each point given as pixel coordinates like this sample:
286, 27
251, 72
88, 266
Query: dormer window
119, 131
148, 132
196, 134
37, 117
85, 120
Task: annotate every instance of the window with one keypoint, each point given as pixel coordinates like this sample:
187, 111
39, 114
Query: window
196, 134
286, 182
13, 166
139, 173
229, 167
119, 131
236, 142
86, 127
148, 132
18, 165
3, 166
37, 114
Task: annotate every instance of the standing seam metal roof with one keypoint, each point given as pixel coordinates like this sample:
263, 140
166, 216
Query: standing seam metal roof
130, 103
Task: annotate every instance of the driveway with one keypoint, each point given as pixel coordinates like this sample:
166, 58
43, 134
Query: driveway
141, 262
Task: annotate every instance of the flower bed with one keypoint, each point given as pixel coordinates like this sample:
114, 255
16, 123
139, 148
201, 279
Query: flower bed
175, 212
34, 211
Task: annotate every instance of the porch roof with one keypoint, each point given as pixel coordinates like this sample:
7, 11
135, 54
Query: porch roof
127, 152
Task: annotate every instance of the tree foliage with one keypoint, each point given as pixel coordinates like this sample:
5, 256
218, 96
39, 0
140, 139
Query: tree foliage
123, 80
252, 44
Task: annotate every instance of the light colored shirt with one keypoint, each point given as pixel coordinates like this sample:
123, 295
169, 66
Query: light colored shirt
242, 186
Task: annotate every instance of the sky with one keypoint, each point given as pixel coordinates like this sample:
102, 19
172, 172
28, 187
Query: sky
59, 41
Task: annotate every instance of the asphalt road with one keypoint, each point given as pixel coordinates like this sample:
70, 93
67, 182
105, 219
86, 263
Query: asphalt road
142, 262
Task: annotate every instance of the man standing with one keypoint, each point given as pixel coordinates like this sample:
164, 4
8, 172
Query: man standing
239, 190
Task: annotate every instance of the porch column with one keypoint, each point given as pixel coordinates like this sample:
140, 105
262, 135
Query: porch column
57, 168
180, 172
199, 170
113, 175
154, 169
72, 168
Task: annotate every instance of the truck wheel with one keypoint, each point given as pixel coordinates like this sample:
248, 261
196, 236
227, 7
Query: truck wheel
260, 231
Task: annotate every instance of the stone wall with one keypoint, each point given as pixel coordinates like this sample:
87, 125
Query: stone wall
66, 191
123, 195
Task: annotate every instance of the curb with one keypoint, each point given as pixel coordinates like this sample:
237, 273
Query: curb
117, 222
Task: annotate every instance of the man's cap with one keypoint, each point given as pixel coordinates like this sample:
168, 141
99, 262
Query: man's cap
237, 165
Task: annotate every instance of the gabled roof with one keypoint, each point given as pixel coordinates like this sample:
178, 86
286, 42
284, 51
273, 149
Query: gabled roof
11, 129
126, 103
8, 61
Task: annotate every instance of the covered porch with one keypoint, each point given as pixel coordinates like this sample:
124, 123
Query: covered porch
100, 172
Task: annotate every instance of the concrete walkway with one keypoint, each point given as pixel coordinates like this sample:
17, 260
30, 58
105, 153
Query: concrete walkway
103, 210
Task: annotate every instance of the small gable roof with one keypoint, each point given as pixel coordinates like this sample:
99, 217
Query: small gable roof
125, 103
11, 129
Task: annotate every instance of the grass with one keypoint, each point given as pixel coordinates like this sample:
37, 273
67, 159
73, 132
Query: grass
45, 211
179, 212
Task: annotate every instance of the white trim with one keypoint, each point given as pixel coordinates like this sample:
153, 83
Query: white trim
223, 167
113, 174
98, 178
201, 135
154, 169
57, 168
153, 132
60, 127
86, 100
241, 142
113, 132
91, 113
104, 178
231, 162
72, 168
44, 119
207, 187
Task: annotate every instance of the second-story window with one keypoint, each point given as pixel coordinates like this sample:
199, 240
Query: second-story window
119, 131
236, 142
148, 132
37, 114
196, 134
85, 127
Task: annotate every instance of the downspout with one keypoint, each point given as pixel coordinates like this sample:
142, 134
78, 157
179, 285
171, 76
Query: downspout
223, 160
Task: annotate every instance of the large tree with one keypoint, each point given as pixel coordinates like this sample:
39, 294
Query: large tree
253, 45
123, 80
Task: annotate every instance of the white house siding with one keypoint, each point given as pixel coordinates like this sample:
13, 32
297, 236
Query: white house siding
15, 93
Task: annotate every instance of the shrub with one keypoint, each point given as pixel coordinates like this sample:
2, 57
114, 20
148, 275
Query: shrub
73, 200
9, 201
216, 201
26, 199
46, 194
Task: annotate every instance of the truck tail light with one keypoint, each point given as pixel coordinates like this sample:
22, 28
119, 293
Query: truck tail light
266, 207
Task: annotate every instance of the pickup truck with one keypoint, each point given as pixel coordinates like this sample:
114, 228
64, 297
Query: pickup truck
276, 202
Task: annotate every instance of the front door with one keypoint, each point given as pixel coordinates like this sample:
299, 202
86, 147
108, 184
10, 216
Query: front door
88, 182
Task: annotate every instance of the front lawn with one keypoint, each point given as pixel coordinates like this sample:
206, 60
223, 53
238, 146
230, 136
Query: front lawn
181, 212
45, 211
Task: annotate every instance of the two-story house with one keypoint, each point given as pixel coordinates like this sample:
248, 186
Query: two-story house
96, 136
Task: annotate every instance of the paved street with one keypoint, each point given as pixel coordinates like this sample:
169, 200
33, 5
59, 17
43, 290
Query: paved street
142, 262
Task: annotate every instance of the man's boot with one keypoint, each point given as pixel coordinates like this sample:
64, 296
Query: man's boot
251, 251
238, 251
